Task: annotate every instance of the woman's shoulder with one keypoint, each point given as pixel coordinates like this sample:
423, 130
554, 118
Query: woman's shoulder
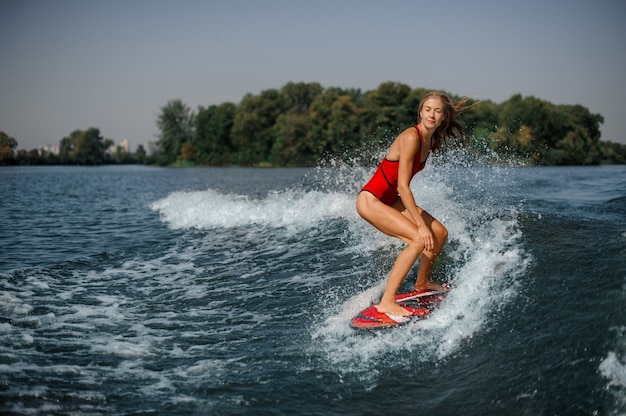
409, 135
407, 140
411, 130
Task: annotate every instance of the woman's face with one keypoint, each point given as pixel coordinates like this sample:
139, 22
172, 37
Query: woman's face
432, 113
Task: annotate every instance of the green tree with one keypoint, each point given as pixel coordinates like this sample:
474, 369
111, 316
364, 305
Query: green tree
29, 157
410, 104
547, 133
187, 152
577, 132
7, 148
176, 127
334, 122
343, 128
482, 119
613, 153
573, 149
299, 96
212, 140
252, 134
580, 145
84, 147
121, 156
384, 112
523, 127
320, 113
140, 154
290, 147
294, 144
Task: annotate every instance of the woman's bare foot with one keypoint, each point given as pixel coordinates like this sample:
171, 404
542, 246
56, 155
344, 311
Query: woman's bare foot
430, 285
393, 309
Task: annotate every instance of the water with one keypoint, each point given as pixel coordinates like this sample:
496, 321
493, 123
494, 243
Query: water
228, 291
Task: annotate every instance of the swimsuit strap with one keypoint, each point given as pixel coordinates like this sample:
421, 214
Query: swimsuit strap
419, 133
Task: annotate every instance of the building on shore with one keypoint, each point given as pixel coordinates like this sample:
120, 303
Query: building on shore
48, 150
124, 147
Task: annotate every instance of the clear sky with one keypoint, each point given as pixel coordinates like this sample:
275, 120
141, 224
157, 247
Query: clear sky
75, 64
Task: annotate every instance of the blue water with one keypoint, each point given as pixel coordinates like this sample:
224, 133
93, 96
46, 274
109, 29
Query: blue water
229, 291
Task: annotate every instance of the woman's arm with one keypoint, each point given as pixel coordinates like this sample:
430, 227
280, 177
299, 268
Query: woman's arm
408, 146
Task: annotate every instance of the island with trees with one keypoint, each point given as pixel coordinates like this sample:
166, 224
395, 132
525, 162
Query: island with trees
301, 123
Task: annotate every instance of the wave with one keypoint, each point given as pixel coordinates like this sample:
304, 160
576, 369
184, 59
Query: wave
213, 209
484, 259
485, 278
613, 369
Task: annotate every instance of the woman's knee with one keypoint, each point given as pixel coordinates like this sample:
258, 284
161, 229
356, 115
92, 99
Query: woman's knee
416, 246
415, 241
441, 232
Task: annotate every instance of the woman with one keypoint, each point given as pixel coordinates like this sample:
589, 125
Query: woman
387, 202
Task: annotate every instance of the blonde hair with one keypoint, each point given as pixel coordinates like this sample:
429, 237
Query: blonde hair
450, 110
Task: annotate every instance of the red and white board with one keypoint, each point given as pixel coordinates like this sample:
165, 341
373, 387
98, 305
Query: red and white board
420, 303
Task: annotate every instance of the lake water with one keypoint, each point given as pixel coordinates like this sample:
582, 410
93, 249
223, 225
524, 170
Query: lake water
229, 291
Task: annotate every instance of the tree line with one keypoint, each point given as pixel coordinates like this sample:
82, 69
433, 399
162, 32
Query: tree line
301, 123
81, 147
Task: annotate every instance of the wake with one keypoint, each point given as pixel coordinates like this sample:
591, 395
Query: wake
484, 260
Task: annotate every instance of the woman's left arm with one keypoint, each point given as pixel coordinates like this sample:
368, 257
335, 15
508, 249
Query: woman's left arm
408, 148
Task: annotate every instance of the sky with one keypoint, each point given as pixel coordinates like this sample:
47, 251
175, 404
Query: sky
75, 64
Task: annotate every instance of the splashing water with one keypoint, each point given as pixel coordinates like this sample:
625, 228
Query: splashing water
484, 259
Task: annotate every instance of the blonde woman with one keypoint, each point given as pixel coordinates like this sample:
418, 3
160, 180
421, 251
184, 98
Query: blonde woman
387, 202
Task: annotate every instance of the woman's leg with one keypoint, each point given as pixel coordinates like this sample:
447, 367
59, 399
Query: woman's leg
392, 222
440, 235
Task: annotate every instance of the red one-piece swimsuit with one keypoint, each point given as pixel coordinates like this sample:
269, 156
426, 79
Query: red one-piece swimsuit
384, 183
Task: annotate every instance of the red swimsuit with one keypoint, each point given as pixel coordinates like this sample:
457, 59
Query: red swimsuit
384, 183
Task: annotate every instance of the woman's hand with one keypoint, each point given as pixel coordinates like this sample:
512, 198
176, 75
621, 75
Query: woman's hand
427, 238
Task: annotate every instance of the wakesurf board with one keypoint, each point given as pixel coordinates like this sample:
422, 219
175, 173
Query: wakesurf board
420, 303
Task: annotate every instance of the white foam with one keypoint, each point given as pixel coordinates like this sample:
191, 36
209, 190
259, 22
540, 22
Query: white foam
483, 283
614, 369
485, 264
13, 305
122, 347
211, 209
